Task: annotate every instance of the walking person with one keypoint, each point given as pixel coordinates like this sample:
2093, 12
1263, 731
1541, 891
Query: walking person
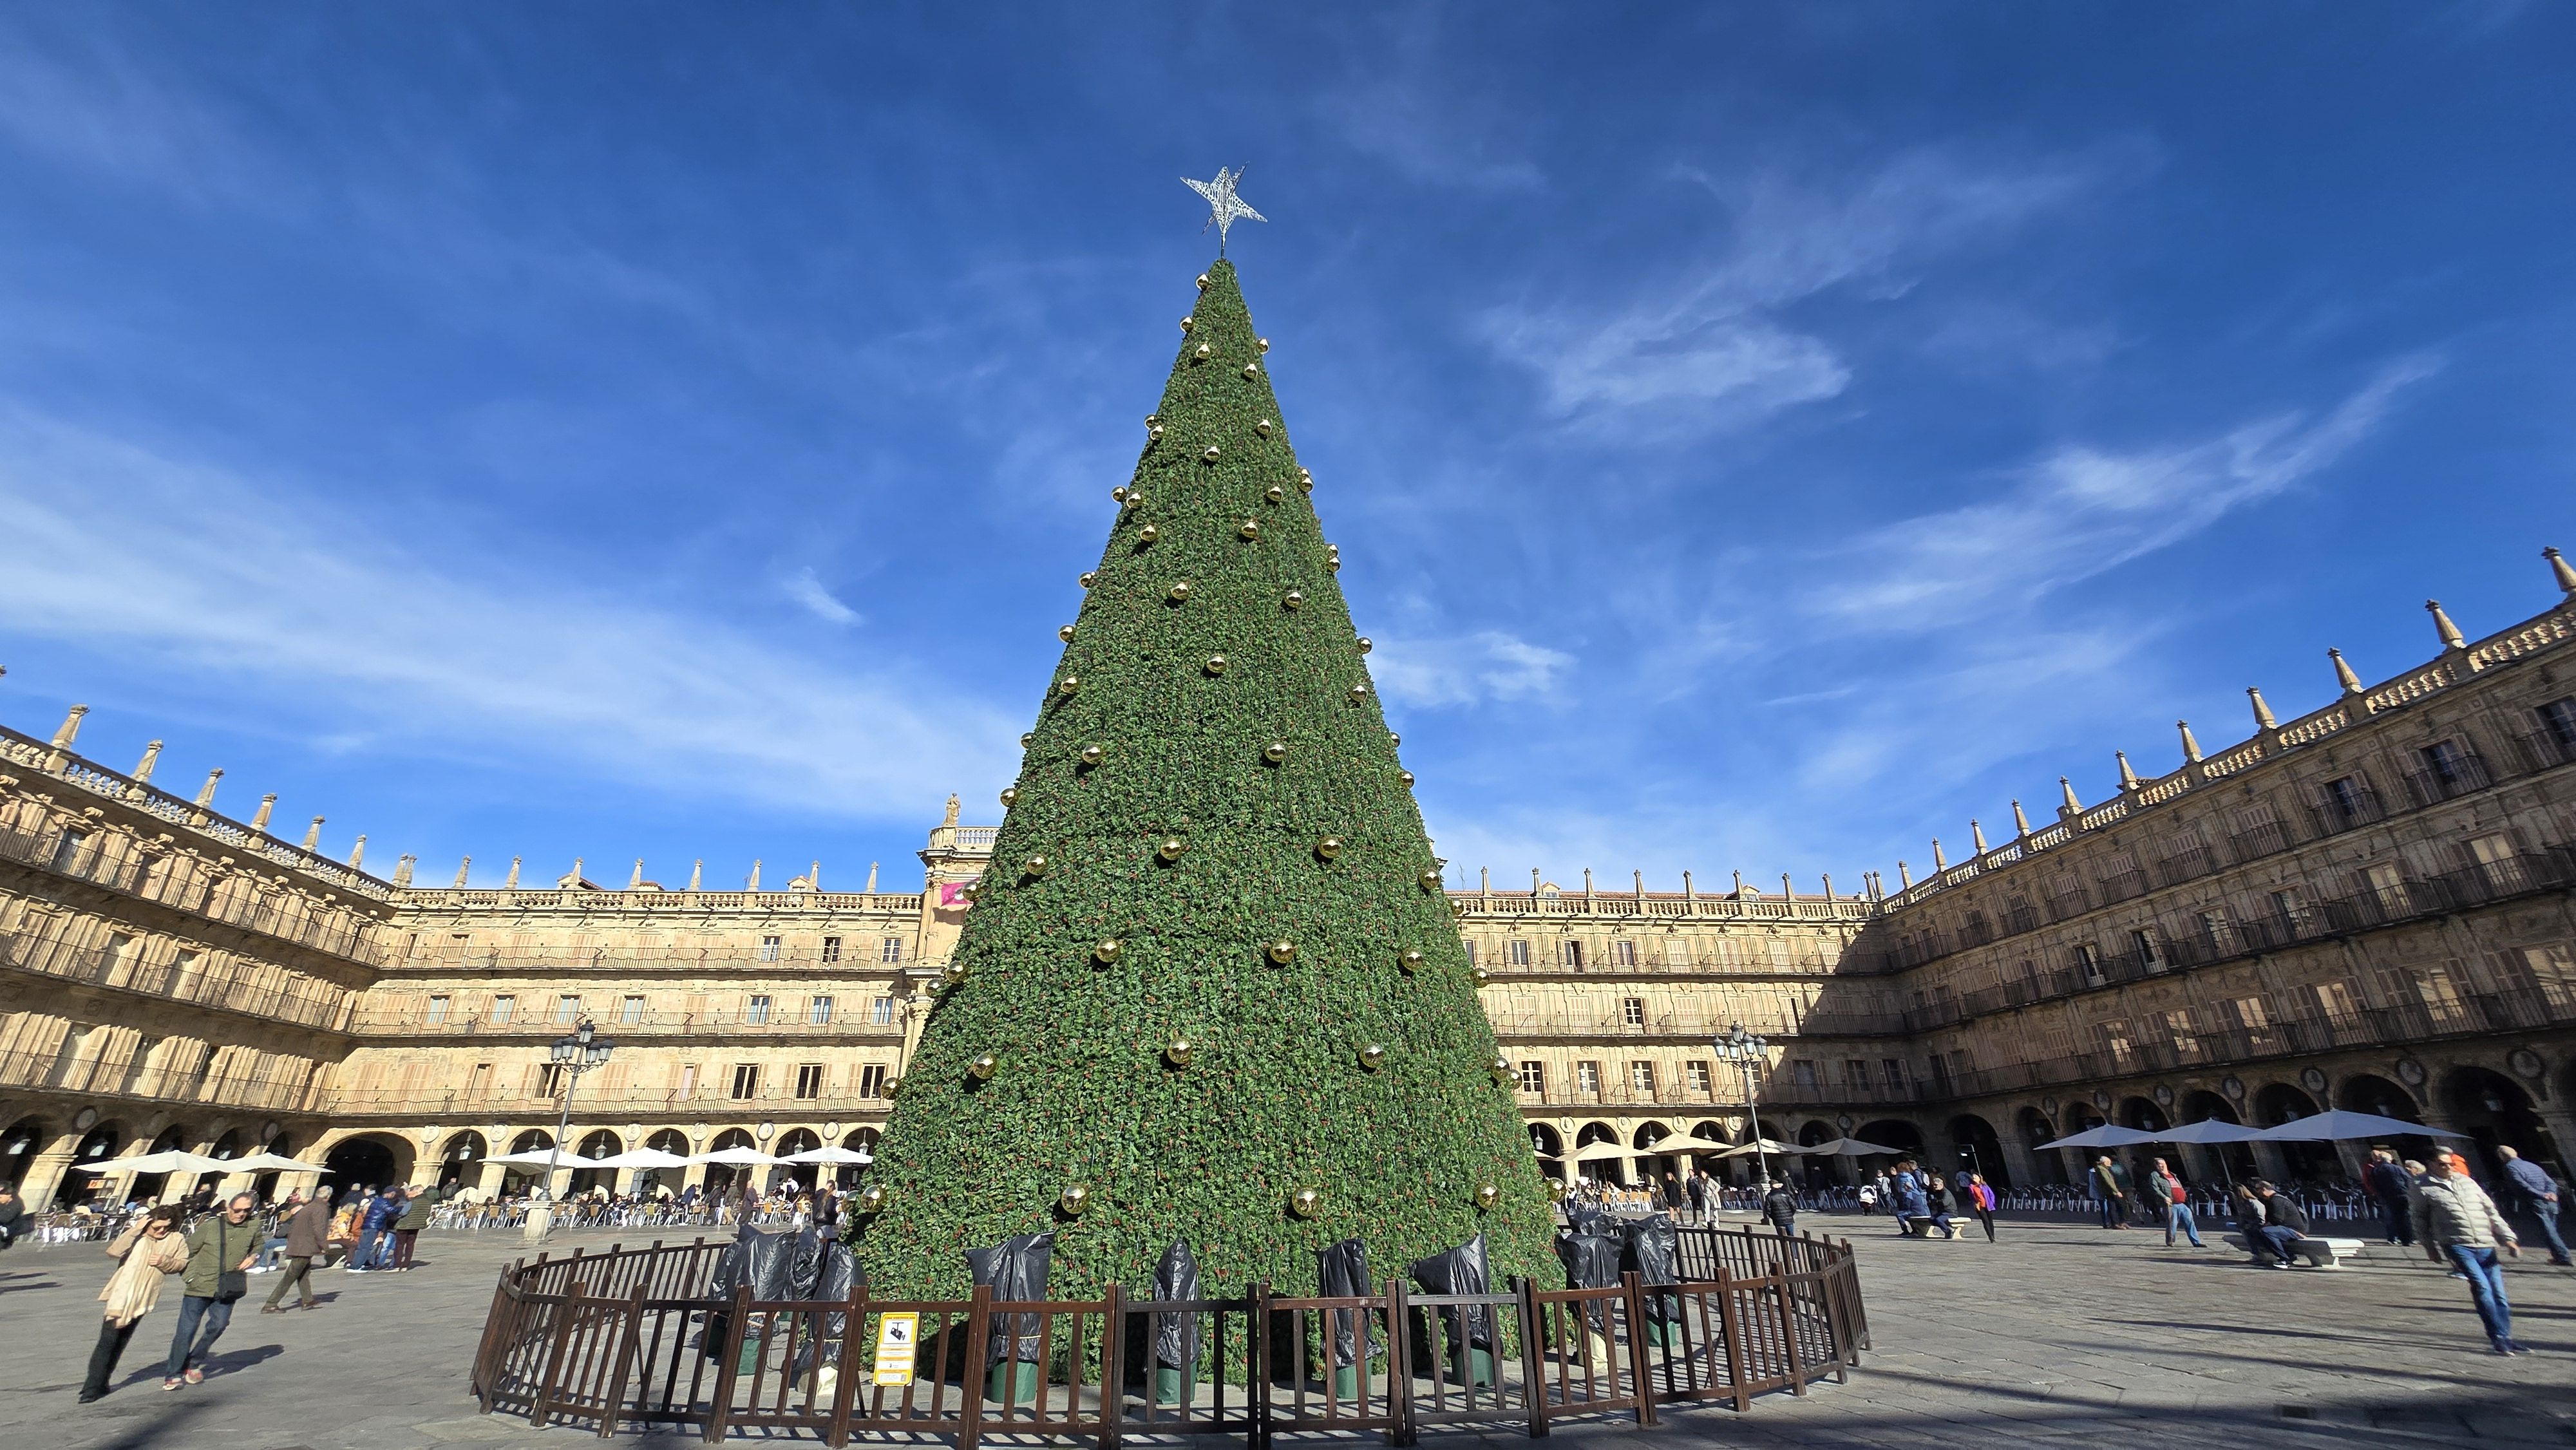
2392, 1190
1780, 1208
148, 1252
415, 1217
1697, 1187
2456, 1220
220, 1252
308, 1237
1981, 1202
2540, 1194
2104, 1184
2166, 1187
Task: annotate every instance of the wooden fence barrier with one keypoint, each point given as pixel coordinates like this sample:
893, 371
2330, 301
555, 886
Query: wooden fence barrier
636, 1338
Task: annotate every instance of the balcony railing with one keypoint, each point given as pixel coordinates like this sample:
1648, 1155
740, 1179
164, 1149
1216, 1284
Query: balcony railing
237, 900
2458, 776
591, 1104
785, 1021
293, 1091
306, 1005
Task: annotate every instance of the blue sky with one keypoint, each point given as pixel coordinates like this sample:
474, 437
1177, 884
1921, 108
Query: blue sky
1761, 438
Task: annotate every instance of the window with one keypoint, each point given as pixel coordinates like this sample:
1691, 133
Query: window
1518, 952
2217, 931
550, 1080
2348, 801
831, 949
1533, 1077
1641, 1076
1895, 1070
67, 848
872, 1080
881, 1011
1471, 954
746, 1080
479, 1085
2446, 762
631, 1011
183, 972
567, 1010
809, 1079
890, 949
437, 1010
2114, 1037
2088, 964
1623, 952
2335, 1000
2249, 1013
2558, 722
1570, 952
2143, 944
1856, 1072
1779, 949
502, 1008
819, 1012
769, 949
755, 1010
1632, 1011
1696, 1074
2286, 910
117, 942
2387, 884
688, 1081
1587, 1077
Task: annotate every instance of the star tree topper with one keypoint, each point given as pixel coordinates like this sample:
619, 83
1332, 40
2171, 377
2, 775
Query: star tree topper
1224, 207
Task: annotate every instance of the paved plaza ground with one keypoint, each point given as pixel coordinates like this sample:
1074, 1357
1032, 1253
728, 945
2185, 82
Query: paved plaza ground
2060, 1335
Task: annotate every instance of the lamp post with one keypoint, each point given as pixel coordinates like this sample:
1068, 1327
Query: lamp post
1744, 1049
574, 1055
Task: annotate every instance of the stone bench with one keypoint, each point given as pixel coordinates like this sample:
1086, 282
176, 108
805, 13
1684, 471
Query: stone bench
2321, 1253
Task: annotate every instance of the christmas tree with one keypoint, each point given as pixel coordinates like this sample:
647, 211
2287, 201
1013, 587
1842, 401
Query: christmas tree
1210, 988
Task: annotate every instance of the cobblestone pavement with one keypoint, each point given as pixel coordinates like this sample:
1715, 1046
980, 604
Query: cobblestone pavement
2057, 1336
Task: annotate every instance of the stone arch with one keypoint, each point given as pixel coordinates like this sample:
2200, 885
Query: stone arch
2035, 1129
99, 1141
19, 1146
2496, 1112
1816, 1132
1898, 1133
460, 1160
2078, 1116
1649, 1132
722, 1177
796, 1140
2370, 1093
2142, 1114
1979, 1149
2236, 1160
597, 1143
1547, 1144
532, 1141
669, 1140
2276, 1103
862, 1141
362, 1160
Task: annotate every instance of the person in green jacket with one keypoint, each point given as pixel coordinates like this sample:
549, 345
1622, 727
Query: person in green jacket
415, 1217
221, 1250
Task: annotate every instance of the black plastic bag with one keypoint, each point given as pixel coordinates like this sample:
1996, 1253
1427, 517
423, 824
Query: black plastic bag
1462, 1270
1654, 1251
1591, 1262
1588, 1220
764, 1263
1176, 1336
1017, 1271
1341, 1272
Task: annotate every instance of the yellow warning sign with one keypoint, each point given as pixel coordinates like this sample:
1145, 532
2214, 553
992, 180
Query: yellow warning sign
898, 1339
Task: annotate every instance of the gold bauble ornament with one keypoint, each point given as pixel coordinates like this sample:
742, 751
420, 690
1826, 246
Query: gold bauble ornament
1035, 866
1407, 777
1481, 975
953, 973
1262, 427
1153, 418
1248, 529
1119, 493
1093, 754
1557, 1188
1148, 534
1274, 752
1294, 599
1333, 562
1412, 959
1204, 351
1304, 1202
1366, 644
1064, 632
870, 1199
1274, 493
1068, 684
1358, 693
983, 1067
1089, 578
1073, 1200
1329, 847
1500, 1067
1203, 281
1487, 1195
1106, 950
893, 1087
1154, 434
1373, 1056
1171, 848
1430, 880
1306, 479
1252, 370
1281, 952
1188, 322
1179, 591
1394, 739
1216, 664
1010, 796
972, 890
1180, 1052
1262, 343
1210, 454
1028, 738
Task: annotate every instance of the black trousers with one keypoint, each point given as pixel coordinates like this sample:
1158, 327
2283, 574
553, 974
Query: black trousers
102, 1360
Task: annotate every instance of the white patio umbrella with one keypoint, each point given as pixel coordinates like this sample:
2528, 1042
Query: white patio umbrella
830, 1154
2105, 1136
271, 1162
739, 1157
1766, 1145
1849, 1148
1604, 1152
537, 1158
2338, 1124
2210, 1130
168, 1160
632, 1158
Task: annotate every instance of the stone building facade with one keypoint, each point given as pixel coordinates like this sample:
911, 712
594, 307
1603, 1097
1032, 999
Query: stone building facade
2367, 906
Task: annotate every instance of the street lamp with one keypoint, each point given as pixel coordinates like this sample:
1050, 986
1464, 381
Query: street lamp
1745, 1049
573, 1055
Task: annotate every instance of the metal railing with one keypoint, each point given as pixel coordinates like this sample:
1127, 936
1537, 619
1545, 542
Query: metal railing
641, 1339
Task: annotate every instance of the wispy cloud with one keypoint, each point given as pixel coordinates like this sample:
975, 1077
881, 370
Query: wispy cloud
2083, 510
807, 590
211, 576
1487, 665
1710, 348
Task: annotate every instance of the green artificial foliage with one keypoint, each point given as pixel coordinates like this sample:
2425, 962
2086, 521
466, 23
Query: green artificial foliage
1276, 1097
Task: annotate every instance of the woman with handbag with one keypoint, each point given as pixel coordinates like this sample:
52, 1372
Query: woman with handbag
146, 1253
221, 1250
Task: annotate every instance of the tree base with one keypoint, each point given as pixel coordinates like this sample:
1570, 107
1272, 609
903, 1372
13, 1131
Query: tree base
1012, 1382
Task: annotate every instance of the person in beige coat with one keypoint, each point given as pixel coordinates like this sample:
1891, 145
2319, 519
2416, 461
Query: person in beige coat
147, 1253
2456, 1220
